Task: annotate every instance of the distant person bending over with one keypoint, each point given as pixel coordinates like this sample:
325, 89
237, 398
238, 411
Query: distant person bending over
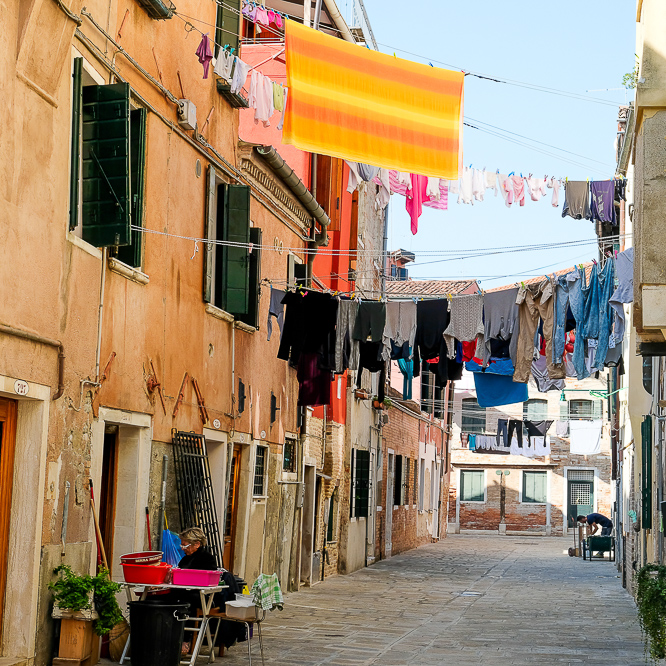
596, 520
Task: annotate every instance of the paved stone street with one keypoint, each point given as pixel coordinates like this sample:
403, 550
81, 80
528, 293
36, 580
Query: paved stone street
467, 600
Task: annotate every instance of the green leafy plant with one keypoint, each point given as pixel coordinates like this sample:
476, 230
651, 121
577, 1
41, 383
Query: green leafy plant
78, 592
651, 603
388, 402
630, 79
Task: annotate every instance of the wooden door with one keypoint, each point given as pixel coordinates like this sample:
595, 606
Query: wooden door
8, 409
107, 494
232, 511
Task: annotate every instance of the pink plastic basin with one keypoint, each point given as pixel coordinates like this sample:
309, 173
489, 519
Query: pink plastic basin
195, 577
148, 574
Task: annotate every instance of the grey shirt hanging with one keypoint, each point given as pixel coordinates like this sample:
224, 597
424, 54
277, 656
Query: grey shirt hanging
576, 199
466, 320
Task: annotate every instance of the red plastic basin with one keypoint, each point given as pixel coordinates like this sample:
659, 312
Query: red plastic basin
146, 557
148, 574
195, 577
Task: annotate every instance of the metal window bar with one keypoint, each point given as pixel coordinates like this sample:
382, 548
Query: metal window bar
196, 502
259, 471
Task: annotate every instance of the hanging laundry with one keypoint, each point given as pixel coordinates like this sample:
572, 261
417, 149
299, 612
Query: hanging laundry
370, 321
518, 189
537, 428
384, 192
539, 447
478, 184
261, 15
500, 313
278, 97
453, 186
359, 172
400, 327
204, 54
414, 199
585, 437
491, 181
432, 319
554, 184
535, 302
495, 390
505, 188
602, 194
536, 187
487, 444
576, 199
284, 109
606, 279
261, 97
346, 348
224, 65
466, 194
370, 360
433, 191
309, 326
620, 189
398, 187
543, 381
241, 70
327, 115
275, 309
314, 382
624, 293
466, 320
562, 428
278, 20
247, 9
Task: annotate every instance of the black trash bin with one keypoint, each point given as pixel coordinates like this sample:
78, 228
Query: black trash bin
156, 633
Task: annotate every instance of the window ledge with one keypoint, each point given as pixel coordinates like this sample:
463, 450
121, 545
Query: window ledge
242, 326
86, 247
259, 498
133, 274
218, 313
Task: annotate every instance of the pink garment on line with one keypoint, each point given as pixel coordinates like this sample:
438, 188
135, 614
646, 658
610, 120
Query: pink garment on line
399, 188
415, 198
205, 54
261, 16
518, 189
261, 97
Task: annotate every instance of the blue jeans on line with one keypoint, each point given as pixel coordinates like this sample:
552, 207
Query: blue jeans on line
569, 293
606, 287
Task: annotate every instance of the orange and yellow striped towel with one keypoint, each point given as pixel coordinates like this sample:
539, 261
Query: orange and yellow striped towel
350, 102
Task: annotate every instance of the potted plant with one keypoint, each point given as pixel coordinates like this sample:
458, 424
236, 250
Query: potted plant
385, 404
361, 394
651, 603
84, 604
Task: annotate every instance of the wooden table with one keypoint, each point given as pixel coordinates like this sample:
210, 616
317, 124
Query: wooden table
203, 630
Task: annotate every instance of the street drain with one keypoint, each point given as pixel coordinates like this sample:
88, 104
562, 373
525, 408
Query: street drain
471, 594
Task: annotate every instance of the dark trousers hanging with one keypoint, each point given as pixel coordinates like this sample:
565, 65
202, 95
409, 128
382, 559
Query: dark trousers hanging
518, 427
502, 426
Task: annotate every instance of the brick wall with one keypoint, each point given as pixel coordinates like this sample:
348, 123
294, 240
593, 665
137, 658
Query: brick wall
409, 526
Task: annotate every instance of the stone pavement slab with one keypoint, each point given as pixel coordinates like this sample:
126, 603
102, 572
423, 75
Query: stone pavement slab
467, 600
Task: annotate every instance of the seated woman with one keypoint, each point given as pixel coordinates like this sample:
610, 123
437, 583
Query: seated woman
193, 542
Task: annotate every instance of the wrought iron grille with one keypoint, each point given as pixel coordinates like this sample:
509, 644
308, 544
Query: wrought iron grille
196, 502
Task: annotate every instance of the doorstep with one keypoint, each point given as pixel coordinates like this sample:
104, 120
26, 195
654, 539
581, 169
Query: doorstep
16, 661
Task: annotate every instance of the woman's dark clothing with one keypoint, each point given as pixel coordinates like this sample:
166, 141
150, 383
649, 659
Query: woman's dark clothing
201, 558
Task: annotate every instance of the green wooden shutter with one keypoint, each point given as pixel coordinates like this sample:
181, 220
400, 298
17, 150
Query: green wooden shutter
646, 473
362, 482
535, 487
564, 410
236, 260
597, 410
254, 287
209, 250
75, 159
397, 485
131, 254
106, 165
227, 25
472, 486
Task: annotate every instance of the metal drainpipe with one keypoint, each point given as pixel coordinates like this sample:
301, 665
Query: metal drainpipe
384, 256
33, 337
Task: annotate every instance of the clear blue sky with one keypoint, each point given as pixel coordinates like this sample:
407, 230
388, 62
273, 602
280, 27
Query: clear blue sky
573, 47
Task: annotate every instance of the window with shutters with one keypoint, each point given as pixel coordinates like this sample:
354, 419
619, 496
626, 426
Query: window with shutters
227, 26
260, 469
232, 265
331, 528
329, 188
535, 410
289, 455
360, 482
415, 485
535, 487
421, 482
397, 482
582, 409
405, 483
472, 485
473, 416
107, 162
646, 473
